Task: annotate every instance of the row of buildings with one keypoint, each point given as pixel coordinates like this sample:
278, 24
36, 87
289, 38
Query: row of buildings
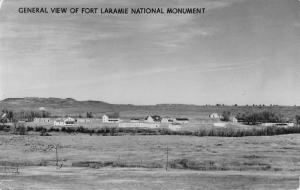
111, 119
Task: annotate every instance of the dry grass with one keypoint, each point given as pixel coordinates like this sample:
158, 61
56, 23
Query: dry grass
137, 162
276, 153
36, 178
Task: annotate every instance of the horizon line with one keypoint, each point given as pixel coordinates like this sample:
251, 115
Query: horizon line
157, 104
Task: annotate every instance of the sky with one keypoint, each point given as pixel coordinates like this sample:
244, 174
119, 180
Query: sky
237, 52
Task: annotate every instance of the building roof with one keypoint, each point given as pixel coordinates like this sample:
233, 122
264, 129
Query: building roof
154, 117
135, 118
182, 119
112, 116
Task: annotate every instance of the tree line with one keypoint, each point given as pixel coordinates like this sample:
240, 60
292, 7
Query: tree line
28, 115
261, 117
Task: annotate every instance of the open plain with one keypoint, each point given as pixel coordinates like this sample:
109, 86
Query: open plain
139, 162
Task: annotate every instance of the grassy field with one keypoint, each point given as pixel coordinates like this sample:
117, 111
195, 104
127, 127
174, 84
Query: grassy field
36, 178
276, 153
138, 162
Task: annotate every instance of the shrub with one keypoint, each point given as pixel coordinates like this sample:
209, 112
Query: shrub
19, 129
5, 128
44, 133
39, 129
29, 128
226, 116
297, 118
260, 117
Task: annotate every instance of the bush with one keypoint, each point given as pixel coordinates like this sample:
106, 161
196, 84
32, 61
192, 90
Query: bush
70, 130
29, 128
5, 128
297, 118
260, 117
22, 130
19, 129
39, 129
226, 116
52, 129
44, 133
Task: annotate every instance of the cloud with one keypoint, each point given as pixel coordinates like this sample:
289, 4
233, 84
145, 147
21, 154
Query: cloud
232, 66
208, 67
175, 40
1, 2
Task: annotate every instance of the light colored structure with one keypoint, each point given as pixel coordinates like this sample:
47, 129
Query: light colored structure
215, 116
234, 120
42, 108
44, 120
219, 124
59, 122
83, 120
139, 125
70, 121
153, 119
64, 121
174, 127
278, 124
108, 119
149, 119
167, 120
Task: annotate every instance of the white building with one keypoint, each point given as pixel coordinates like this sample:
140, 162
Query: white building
70, 121
64, 121
219, 124
278, 124
234, 120
167, 120
83, 120
149, 119
215, 116
59, 122
174, 127
110, 119
153, 119
139, 125
43, 120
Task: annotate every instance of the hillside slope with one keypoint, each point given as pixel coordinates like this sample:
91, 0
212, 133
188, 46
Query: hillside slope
61, 107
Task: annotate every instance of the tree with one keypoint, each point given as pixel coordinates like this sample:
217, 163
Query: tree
89, 114
226, 116
10, 115
297, 118
45, 114
261, 117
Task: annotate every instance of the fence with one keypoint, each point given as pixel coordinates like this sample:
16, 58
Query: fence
8, 170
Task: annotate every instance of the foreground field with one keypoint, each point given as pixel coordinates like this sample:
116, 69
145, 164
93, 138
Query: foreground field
138, 162
272, 153
35, 178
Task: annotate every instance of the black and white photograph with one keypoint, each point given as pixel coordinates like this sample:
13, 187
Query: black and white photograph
149, 94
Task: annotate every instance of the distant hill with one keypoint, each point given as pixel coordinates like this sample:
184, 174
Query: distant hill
62, 107
57, 106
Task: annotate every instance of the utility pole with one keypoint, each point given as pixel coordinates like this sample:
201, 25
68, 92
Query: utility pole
56, 155
167, 158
